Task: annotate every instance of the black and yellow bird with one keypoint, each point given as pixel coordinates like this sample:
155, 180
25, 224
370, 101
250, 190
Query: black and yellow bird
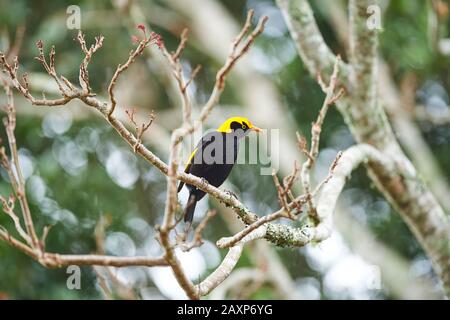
213, 159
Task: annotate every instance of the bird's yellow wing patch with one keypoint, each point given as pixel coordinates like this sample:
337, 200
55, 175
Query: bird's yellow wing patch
189, 162
188, 166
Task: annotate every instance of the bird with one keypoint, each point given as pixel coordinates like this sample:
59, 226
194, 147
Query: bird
213, 158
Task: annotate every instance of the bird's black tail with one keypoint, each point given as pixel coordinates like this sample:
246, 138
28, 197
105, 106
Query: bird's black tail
189, 210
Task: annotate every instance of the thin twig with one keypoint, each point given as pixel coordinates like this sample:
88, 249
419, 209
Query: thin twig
231, 241
281, 194
330, 173
88, 53
177, 72
8, 208
16, 177
235, 54
316, 129
144, 43
139, 129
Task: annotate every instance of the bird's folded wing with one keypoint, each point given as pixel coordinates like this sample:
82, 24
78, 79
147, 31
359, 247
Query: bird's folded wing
206, 140
187, 168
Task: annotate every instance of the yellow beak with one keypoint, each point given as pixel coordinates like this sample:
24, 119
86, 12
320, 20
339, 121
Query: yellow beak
256, 129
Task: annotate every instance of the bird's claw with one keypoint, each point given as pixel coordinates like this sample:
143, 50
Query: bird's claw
204, 182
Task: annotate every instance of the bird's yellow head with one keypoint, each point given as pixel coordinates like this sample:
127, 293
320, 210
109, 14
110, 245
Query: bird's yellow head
237, 123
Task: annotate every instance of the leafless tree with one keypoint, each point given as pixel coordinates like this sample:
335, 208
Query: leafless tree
352, 86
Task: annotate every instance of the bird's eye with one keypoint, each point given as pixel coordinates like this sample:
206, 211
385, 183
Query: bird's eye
244, 127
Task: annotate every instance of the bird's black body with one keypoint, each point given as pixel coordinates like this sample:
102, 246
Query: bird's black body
212, 160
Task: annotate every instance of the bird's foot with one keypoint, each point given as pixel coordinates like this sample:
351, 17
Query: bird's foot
232, 194
204, 182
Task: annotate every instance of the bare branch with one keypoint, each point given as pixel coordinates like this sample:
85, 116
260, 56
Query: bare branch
16, 177
177, 72
11, 70
53, 260
281, 194
8, 208
239, 277
144, 43
235, 54
88, 53
303, 146
330, 173
140, 129
184, 37
49, 68
57, 260
315, 136
8, 238
192, 77
45, 233
231, 241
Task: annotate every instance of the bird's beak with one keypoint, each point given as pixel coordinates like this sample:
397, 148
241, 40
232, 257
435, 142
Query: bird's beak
256, 129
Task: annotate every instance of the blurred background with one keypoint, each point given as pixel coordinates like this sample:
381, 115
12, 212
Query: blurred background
78, 169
